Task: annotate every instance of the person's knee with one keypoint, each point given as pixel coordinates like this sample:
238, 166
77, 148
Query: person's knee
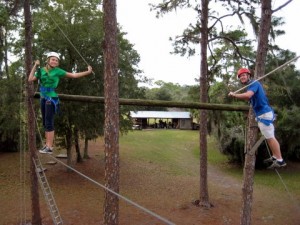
49, 127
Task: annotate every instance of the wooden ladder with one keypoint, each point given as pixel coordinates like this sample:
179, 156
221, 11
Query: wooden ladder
57, 220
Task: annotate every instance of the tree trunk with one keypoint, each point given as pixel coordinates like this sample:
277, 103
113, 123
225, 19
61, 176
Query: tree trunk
35, 205
86, 149
111, 126
69, 148
249, 168
77, 147
204, 198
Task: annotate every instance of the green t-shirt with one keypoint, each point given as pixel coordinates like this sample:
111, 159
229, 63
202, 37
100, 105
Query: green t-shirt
50, 79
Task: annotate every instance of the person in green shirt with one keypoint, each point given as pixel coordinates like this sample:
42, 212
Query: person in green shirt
49, 77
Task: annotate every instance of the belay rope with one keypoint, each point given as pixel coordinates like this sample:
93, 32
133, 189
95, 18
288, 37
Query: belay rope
278, 68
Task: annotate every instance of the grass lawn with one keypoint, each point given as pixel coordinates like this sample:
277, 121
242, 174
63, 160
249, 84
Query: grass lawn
174, 148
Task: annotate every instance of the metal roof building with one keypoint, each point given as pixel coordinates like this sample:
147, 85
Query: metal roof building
167, 119
160, 114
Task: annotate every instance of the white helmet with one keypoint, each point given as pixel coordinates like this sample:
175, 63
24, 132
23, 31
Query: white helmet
51, 54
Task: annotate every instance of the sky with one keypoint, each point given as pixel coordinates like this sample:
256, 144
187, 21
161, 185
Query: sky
150, 37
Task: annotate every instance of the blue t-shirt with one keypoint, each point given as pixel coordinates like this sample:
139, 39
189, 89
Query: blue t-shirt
259, 100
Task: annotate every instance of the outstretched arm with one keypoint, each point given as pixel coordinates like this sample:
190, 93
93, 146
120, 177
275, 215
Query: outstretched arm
31, 75
80, 74
244, 96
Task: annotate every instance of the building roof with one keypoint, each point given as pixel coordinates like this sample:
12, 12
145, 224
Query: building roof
160, 114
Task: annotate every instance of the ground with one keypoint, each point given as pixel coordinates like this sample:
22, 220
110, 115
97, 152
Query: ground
151, 189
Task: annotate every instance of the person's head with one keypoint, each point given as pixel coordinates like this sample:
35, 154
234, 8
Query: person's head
53, 59
244, 75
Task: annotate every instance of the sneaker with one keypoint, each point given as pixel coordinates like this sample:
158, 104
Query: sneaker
270, 160
42, 149
277, 164
46, 150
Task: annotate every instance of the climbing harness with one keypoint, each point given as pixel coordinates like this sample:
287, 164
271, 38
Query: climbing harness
46, 89
55, 100
266, 121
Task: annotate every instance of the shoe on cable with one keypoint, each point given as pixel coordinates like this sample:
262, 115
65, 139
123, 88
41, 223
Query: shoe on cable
277, 164
46, 150
42, 149
270, 160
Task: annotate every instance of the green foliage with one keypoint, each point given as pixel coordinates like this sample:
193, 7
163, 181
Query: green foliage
289, 132
167, 91
10, 113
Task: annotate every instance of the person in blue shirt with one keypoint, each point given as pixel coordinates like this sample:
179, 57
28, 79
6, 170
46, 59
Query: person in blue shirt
263, 112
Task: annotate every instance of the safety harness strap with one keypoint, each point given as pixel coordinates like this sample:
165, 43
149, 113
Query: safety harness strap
267, 122
46, 89
55, 101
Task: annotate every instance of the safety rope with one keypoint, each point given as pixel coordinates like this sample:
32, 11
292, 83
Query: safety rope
56, 24
278, 68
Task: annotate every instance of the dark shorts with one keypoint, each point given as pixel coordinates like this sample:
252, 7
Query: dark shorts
48, 109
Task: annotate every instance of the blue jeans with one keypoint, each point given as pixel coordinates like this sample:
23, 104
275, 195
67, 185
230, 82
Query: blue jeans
48, 112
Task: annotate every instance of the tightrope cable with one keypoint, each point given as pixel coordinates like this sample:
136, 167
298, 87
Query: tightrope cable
115, 193
107, 189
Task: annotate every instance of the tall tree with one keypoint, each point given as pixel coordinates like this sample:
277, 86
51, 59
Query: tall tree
111, 128
36, 216
249, 167
204, 199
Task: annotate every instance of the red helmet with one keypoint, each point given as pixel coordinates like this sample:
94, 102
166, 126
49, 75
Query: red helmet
243, 70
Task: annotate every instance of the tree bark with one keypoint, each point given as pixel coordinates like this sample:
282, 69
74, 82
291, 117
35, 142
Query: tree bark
204, 197
35, 205
249, 167
77, 147
86, 149
111, 125
69, 138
